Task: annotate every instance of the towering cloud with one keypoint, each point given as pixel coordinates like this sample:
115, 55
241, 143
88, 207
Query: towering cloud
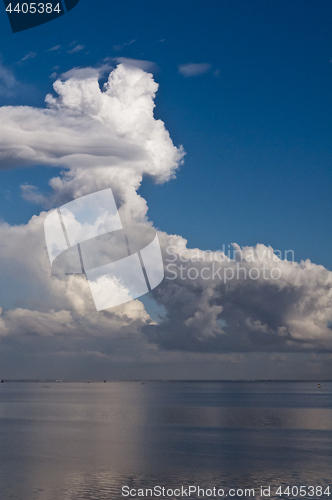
108, 137
101, 137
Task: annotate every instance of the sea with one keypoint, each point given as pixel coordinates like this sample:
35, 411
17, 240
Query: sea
165, 439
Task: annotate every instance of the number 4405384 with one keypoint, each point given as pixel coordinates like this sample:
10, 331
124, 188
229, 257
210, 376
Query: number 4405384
34, 8
304, 491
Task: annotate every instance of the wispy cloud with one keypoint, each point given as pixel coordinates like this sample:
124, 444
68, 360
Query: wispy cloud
87, 73
78, 48
30, 193
137, 63
7, 81
53, 49
29, 55
119, 47
192, 69
11, 87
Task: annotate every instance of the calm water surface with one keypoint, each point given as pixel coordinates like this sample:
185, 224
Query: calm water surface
70, 441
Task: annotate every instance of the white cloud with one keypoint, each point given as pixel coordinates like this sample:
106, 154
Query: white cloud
78, 73
102, 138
137, 63
10, 87
266, 304
77, 48
7, 81
192, 69
29, 55
31, 193
110, 138
46, 304
55, 48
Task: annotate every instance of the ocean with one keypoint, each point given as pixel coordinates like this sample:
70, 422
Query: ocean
113, 440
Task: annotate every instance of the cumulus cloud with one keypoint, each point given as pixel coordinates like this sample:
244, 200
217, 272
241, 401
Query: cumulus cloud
102, 137
253, 302
61, 311
214, 304
192, 69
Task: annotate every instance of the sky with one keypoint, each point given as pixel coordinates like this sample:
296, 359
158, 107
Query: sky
237, 150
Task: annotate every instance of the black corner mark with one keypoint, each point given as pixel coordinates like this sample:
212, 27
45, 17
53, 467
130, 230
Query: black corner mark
24, 15
70, 4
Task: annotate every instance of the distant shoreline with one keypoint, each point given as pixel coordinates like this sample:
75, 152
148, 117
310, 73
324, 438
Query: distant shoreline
48, 381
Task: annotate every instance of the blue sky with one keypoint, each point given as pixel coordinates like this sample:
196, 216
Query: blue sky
256, 126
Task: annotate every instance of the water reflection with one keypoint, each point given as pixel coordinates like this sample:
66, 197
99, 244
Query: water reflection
85, 441
287, 418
